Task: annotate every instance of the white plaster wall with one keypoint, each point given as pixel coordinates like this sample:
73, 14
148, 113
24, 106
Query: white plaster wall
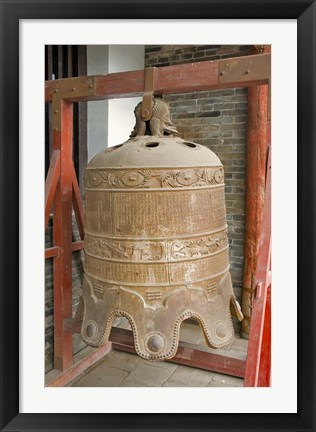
121, 118
111, 122
97, 64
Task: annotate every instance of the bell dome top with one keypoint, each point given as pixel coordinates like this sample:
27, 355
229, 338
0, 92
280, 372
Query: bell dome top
155, 151
155, 143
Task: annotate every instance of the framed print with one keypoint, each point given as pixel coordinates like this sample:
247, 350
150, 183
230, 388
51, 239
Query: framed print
26, 404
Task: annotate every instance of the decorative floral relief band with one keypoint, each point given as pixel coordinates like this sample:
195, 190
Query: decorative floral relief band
127, 250
142, 179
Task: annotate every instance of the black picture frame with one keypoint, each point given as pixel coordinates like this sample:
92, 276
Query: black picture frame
10, 13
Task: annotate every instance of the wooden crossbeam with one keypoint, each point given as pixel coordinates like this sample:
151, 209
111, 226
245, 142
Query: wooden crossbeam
53, 251
123, 340
185, 78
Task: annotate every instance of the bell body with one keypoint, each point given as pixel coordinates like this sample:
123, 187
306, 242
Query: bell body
156, 244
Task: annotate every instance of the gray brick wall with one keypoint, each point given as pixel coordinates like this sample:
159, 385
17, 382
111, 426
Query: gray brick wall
218, 120
167, 55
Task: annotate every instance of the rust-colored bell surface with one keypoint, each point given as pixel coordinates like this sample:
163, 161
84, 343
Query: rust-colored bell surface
156, 244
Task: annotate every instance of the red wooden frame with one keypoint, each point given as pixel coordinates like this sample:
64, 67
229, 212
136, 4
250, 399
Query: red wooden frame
258, 368
62, 191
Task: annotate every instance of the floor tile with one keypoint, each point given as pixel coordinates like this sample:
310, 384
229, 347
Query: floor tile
169, 383
191, 333
102, 376
146, 375
162, 364
240, 345
121, 360
227, 380
191, 377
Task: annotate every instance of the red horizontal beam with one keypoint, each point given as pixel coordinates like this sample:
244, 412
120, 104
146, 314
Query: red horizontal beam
184, 78
123, 340
54, 251
51, 252
77, 246
209, 361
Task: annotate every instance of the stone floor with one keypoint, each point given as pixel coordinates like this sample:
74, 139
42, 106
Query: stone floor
122, 369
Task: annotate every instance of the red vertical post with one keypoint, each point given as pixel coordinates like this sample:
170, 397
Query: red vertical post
258, 363
258, 112
62, 230
264, 376
264, 372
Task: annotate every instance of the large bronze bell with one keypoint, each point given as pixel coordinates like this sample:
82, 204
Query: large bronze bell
156, 244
